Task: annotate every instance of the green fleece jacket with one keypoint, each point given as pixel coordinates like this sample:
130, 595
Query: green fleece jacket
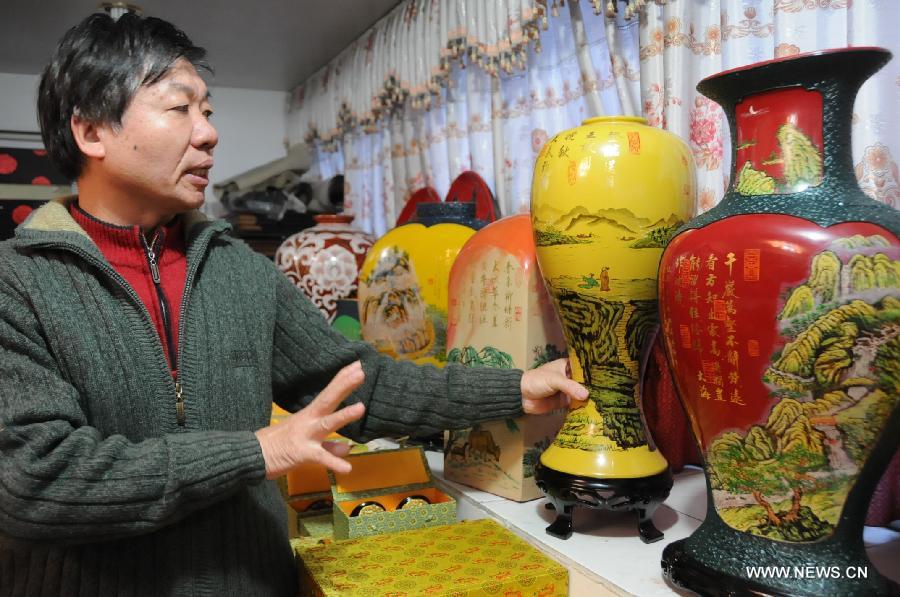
102, 492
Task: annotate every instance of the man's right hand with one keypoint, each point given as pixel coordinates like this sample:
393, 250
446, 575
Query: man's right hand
300, 439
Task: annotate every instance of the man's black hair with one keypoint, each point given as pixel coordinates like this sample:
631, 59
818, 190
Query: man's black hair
97, 68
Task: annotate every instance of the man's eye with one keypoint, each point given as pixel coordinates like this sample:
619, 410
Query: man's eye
181, 108
208, 114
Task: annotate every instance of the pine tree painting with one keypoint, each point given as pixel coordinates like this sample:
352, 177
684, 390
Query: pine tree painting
802, 160
833, 385
754, 182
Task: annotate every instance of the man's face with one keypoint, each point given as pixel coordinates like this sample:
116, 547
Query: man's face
161, 154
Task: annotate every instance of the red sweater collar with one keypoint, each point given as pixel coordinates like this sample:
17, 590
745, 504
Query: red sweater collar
124, 245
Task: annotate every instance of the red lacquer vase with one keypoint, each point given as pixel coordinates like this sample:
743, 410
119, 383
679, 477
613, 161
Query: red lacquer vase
324, 261
780, 310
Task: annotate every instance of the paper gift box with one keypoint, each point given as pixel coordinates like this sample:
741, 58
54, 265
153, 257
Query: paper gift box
471, 558
307, 486
309, 496
387, 477
500, 315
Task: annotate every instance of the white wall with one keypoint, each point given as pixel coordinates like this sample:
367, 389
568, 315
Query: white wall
252, 127
18, 94
252, 123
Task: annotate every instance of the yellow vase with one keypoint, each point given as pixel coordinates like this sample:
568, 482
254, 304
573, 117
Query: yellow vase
606, 198
403, 290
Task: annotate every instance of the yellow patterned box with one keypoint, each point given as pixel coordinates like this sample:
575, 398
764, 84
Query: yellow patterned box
388, 491
473, 558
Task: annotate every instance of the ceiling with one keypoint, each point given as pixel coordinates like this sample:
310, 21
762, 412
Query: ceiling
262, 44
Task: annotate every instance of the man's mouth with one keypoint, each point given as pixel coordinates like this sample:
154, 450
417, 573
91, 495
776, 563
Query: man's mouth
199, 172
199, 175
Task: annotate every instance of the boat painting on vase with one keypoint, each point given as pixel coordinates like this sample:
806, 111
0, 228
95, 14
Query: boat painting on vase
606, 198
781, 318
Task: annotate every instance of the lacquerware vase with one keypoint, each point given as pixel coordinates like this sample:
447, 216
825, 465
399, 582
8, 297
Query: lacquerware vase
324, 261
403, 293
606, 197
464, 214
781, 315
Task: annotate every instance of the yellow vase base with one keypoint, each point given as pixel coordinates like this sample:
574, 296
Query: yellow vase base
631, 463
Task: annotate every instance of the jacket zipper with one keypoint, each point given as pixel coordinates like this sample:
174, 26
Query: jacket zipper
199, 249
163, 302
151, 252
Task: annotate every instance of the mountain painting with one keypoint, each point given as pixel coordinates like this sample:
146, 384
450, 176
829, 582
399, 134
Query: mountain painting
610, 313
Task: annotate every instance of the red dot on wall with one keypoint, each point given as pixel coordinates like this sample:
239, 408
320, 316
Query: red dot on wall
20, 213
8, 164
40, 152
40, 180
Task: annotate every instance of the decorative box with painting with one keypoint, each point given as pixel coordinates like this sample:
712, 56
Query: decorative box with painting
501, 316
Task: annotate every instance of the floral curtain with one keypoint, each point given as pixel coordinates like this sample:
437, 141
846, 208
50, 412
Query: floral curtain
406, 58
564, 84
395, 112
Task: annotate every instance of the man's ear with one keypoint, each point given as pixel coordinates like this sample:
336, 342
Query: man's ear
88, 136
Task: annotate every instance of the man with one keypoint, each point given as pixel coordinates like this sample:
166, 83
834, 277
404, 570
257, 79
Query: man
141, 347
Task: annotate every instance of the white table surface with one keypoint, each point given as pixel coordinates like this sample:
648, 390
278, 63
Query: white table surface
604, 555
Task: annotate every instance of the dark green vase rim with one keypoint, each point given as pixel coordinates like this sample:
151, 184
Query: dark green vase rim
776, 69
837, 74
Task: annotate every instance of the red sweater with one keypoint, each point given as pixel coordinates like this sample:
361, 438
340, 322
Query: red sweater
130, 255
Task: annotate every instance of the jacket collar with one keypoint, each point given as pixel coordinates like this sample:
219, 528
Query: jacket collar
53, 224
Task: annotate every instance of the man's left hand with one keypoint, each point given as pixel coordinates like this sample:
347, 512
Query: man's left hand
548, 388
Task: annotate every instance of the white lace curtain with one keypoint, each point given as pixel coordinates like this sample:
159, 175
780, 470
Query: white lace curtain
401, 109
496, 95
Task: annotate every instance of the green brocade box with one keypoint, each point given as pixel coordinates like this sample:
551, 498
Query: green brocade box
476, 558
388, 478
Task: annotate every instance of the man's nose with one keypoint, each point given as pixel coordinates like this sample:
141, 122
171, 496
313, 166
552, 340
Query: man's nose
205, 134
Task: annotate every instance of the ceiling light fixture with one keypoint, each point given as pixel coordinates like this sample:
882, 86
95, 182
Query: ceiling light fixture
117, 9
